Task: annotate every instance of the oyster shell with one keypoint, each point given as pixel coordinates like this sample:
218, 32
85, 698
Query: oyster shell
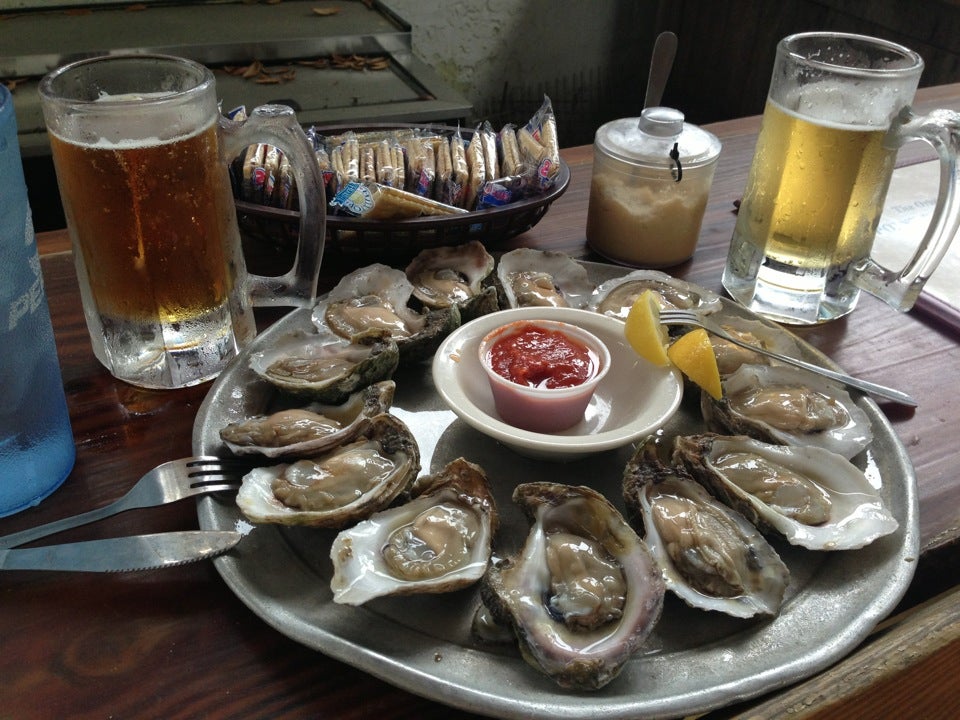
438, 541
454, 275
339, 487
814, 498
376, 297
529, 277
485, 629
616, 296
326, 368
788, 405
711, 556
583, 593
299, 432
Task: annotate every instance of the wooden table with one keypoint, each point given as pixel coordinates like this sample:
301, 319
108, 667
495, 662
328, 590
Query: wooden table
177, 643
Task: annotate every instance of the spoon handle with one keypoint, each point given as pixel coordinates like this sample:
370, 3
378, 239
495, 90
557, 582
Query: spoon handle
661, 63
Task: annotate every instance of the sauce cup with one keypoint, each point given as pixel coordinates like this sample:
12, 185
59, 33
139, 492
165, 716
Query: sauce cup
543, 409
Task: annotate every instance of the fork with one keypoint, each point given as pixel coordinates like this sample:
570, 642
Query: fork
166, 483
687, 317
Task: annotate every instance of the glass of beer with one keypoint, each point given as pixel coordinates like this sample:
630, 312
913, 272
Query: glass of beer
141, 153
837, 111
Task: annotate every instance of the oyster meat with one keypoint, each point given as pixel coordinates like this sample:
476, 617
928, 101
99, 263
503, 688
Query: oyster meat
784, 404
299, 432
377, 298
615, 297
731, 356
814, 498
326, 368
436, 542
339, 487
454, 275
529, 277
711, 556
583, 593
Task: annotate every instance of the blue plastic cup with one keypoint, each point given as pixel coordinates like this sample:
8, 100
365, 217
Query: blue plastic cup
37, 450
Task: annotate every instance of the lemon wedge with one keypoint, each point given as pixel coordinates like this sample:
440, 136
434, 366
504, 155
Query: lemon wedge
693, 354
644, 332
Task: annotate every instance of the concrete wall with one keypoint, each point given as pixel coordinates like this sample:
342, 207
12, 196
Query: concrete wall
590, 57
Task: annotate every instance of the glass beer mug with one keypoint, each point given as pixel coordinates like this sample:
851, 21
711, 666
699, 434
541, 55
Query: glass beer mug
837, 111
141, 153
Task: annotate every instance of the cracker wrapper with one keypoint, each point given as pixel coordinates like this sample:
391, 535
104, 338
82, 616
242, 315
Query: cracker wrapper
447, 172
373, 201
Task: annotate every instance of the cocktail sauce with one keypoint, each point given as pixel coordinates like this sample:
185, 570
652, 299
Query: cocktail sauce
542, 358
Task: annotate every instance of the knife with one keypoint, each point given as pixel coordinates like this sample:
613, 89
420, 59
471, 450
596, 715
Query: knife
135, 552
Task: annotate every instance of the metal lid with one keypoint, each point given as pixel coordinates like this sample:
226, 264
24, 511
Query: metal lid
650, 140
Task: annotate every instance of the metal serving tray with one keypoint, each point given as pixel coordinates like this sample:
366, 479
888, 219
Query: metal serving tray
694, 661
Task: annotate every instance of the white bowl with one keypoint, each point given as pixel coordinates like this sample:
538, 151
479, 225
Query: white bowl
633, 400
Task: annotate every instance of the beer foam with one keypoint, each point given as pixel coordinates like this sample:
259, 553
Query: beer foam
833, 104
105, 144
131, 97
147, 135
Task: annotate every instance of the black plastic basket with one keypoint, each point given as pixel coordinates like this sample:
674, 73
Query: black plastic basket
385, 241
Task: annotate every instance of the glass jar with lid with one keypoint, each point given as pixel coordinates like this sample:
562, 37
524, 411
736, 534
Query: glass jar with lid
651, 180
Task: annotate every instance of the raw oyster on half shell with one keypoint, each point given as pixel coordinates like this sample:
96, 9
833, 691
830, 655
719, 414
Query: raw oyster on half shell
811, 496
711, 556
454, 275
324, 367
528, 277
583, 593
438, 541
377, 298
339, 487
616, 296
301, 431
788, 405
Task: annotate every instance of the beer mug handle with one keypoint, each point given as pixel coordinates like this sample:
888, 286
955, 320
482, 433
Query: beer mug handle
277, 125
900, 289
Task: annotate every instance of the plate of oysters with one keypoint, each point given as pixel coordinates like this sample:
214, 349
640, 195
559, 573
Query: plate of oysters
746, 544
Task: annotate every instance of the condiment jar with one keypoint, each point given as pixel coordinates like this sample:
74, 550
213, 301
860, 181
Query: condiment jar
651, 181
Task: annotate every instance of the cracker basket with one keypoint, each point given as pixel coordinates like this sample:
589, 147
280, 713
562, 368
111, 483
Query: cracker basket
399, 240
